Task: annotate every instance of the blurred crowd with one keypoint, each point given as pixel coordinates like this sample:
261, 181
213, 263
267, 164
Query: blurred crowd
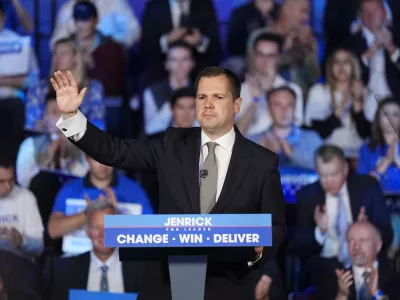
327, 105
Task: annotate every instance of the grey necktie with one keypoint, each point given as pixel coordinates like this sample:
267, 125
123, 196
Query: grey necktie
364, 293
208, 180
103, 279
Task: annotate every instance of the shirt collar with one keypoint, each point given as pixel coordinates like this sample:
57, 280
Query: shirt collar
88, 184
226, 141
358, 271
97, 263
175, 3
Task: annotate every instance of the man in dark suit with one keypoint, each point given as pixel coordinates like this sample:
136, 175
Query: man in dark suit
377, 47
100, 269
237, 181
366, 277
167, 21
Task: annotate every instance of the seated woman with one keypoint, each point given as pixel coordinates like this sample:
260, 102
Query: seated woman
50, 151
66, 56
380, 157
340, 109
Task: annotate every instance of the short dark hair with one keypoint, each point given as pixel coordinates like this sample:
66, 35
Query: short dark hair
284, 88
214, 71
180, 93
8, 157
270, 37
328, 152
181, 44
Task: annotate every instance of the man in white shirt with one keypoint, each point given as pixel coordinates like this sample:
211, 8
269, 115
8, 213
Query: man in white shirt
21, 227
99, 269
116, 19
263, 56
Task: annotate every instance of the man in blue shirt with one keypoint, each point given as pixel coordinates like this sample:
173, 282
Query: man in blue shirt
101, 181
294, 145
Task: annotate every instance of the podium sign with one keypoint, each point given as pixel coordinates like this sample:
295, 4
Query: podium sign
188, 230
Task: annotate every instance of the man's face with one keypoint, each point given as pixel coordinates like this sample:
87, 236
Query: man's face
215, 106
184, 112
95, 230
265, 57
98, 170
7, 181
85, 28
64, 57
363, 244
299, 13
373, 15
179, 62
281, 107
332, 174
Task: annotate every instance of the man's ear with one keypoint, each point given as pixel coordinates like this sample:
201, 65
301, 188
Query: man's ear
237, 104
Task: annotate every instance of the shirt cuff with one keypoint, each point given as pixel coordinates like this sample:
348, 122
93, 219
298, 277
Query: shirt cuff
74, 127
204, 42
163, 43
319, 236
395, 56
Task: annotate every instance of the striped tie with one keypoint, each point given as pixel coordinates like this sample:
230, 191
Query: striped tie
104, 280
364, 293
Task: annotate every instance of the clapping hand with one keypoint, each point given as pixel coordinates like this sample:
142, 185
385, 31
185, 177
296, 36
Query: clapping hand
321, 218
345, 280
362, 216
68, 96
109, 197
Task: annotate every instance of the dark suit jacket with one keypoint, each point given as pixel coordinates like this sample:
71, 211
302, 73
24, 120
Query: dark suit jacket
252, 185
21, 278
73, 272
363, 191
359, 45
157, 21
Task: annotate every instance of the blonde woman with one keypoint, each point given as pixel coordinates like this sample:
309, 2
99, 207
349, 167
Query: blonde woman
341, 109
65, 56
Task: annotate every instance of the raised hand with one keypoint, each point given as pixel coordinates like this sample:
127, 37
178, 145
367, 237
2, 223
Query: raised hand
321, 218
68, 96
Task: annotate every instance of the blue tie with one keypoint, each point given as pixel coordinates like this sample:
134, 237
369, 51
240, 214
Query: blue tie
342, 224
103, 279
364, 293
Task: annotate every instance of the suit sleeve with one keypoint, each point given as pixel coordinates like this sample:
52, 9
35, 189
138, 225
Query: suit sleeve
274, 204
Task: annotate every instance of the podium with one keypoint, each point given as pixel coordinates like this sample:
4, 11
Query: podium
188, 241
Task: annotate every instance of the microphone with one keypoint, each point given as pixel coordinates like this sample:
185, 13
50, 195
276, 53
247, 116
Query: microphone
203, 173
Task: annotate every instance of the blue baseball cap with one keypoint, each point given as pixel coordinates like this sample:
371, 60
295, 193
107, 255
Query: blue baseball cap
84, 10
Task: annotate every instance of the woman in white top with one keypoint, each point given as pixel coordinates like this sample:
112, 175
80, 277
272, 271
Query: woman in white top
341, 109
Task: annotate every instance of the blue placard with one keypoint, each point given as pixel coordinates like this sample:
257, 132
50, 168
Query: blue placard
188, 230
86, 295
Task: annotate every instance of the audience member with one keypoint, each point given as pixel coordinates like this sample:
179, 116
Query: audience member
66, 56
100, 269
194, 22
339, 109
294, 145
366, 277
20, 278
103, 57
156, 98
21, 227
263, 56
377, 46
17, 16
300, 59
49, 151
100, 180
244, 20
327, 207
116, 20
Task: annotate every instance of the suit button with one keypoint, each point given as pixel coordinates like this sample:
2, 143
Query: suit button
64, 129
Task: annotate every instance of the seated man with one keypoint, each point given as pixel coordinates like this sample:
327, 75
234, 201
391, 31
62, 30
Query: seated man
329, 206
99, 179
50, 151
295, 146
21, 227
99, 269
366, 277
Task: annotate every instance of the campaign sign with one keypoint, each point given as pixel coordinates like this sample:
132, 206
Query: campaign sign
188, 230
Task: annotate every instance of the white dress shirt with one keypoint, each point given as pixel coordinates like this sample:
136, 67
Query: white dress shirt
223, 152
377, 74
116, 19
358, 278
114, 274
330, 241
263, 120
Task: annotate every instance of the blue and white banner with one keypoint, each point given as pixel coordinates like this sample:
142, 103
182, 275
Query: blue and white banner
87, 295
15, 55
188, 230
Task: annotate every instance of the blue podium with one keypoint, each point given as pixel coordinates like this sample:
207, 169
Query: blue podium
188, 241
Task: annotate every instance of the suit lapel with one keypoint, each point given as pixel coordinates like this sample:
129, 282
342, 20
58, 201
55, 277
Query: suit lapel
190, 151
354, 198
237, 170
353, 292
81, 278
